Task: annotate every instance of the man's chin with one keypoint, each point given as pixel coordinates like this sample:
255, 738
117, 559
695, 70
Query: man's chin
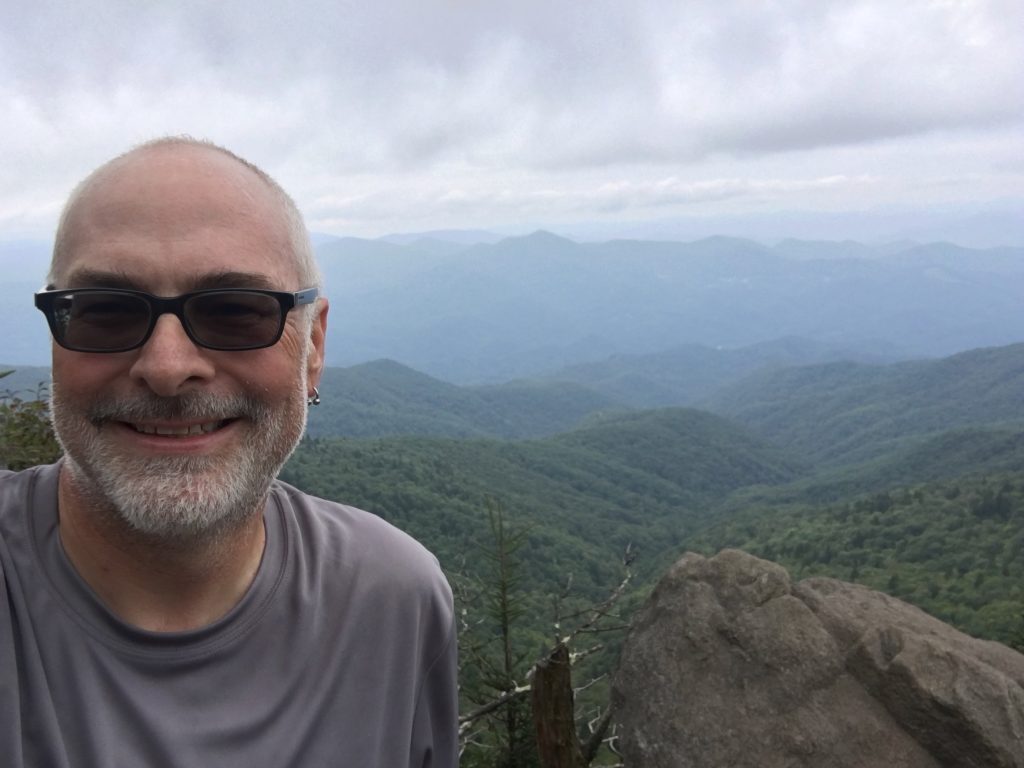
174, 497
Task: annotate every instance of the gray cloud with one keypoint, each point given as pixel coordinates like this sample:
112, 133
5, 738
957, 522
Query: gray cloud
497, 110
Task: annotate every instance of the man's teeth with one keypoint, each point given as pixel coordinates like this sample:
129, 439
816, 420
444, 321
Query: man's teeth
183, 431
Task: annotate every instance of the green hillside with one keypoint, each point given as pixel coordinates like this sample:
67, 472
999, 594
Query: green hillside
845, 413
691, 373
954, 548
942, 527
906, 477
645, 478
936, 458
697, 451
890, 456
385, 398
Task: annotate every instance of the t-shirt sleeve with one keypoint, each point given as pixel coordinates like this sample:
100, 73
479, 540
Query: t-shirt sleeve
436, 723
10, 712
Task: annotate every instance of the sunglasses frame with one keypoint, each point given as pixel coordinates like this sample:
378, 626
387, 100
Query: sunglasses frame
161, 305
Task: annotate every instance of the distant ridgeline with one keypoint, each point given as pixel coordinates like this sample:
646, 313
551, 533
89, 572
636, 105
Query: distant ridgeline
525, 306
906, 477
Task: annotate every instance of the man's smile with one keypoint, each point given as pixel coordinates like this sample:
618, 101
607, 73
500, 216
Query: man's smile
180, 430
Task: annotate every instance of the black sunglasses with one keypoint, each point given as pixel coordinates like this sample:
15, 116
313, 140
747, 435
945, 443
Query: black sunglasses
117, 320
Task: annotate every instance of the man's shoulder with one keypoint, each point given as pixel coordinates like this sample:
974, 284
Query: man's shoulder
15, 484
25, 495
359, 537
10, 476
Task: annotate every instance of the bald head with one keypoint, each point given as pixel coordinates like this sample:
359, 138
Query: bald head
114, 189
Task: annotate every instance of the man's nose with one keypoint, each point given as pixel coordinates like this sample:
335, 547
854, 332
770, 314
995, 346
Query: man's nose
170, 363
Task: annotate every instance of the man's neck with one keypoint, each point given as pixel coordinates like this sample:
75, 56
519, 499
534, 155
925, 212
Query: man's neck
155, 584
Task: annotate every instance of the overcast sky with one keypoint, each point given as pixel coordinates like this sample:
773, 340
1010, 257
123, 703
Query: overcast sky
424, 114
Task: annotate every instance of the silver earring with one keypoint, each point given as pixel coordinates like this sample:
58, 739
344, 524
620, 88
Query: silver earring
314, 399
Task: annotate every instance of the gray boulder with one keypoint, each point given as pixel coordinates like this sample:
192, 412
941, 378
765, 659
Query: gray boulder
730, 665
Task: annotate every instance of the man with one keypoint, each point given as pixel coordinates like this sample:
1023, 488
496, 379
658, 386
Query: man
165, 601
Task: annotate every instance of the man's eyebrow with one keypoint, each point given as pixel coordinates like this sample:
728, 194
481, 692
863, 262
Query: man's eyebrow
234, 280
97, 278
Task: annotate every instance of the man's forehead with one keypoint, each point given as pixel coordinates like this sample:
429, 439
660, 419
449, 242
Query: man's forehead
166, 181
180, 159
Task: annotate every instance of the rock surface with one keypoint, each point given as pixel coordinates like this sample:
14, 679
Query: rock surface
730, 665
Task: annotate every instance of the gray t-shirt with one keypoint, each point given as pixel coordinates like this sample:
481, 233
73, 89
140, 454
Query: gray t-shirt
341, 653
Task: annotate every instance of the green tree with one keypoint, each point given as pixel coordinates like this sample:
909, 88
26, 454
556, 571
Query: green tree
26, 436
521, 711
499, 670
1017, 641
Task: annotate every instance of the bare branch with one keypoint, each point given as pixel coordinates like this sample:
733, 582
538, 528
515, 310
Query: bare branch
590, 625
601, 609
597, 736
578, 690
578, 655
470, 717
598, 630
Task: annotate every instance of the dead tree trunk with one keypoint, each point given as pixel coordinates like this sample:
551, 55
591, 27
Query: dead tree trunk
558, 746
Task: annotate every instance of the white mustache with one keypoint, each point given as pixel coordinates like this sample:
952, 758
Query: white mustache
189, 407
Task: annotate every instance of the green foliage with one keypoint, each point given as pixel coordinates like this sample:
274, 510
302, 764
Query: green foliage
677, 479
954, 548
691, 373
495, 658
26, 437
1017, 640
841, 414
386, 398
640, 478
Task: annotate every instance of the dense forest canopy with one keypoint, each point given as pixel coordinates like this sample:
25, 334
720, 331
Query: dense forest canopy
906, 477
867, 472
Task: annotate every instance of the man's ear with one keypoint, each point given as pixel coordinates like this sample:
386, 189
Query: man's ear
317, 336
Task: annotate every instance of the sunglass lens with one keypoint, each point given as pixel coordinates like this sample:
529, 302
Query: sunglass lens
234, 319
98, 322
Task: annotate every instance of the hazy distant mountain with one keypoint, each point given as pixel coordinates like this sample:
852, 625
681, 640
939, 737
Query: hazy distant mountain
458, 236
992, 226
688, 374
529, 305
24, 381
319, 238
526, 306
823, 249
24, 260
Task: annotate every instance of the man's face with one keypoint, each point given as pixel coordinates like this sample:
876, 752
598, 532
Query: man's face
177, 439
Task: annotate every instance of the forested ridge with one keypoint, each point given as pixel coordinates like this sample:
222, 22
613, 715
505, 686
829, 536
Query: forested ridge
644, 478
940, 526
842, 413
908, 478
838, 467
386, 398
797, 445
954, 547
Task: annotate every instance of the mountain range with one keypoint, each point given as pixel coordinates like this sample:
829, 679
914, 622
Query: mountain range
804, 397
488, 312
922, 460
904, 475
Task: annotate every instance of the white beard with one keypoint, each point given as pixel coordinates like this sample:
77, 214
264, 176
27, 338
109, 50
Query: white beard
179, 497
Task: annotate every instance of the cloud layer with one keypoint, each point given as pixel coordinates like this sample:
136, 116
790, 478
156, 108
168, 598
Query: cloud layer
406, 115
